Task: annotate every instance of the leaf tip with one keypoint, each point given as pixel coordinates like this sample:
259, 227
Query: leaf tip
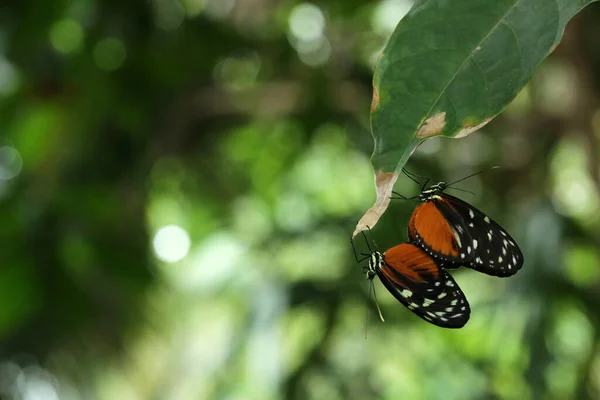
432, 125
384, 183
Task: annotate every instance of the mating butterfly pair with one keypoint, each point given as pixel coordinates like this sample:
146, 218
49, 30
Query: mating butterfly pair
445, 233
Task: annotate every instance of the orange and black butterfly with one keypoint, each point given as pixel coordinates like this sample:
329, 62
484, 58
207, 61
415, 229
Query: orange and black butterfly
416, 280
456, 233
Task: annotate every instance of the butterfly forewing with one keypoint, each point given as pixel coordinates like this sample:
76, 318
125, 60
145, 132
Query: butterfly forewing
448, 308
464, 236
409, 266
430, 229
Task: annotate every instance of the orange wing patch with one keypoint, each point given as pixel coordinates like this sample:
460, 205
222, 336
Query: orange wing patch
429, 223
411, 262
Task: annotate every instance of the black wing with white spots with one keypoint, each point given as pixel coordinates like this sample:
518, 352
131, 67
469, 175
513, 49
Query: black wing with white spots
447, 308
484, 245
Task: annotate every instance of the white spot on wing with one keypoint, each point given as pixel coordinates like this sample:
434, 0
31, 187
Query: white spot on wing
428, 302
486, 219
475, 243
471, 214
457, 236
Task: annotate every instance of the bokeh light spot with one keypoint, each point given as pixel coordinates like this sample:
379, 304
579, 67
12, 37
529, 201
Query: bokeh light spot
211, 264
573, 191
109, 54
219, 9
306, 34
10, 162
66, 35
314, 54
306, 22
387, 15
211, 254
171, 243
9, 78
251, 219
168, 14
293, 212
193, 8
238, 72
581, 265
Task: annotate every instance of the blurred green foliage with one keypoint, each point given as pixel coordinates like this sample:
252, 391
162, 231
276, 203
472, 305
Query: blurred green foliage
179, 180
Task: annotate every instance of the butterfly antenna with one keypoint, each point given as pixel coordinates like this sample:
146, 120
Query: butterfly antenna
358, 260
354, 249
472, 175
411, 176
463, 190
424, 185
374, 243
376, 302
367, 240
367, 317
400, 196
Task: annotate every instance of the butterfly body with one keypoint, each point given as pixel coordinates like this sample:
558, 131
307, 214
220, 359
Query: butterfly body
433, 192
456, 233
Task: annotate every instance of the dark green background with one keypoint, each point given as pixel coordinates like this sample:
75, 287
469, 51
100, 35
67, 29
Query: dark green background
249, 128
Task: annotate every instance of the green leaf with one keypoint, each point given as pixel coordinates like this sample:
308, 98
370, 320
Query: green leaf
449, 68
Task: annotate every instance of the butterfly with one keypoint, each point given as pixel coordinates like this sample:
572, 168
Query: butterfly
456, 233
420, 283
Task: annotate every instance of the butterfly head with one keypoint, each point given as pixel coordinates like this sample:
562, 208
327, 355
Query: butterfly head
432, 191
374, 262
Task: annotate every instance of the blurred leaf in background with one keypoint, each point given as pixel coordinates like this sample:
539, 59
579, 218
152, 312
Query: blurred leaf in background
179, 180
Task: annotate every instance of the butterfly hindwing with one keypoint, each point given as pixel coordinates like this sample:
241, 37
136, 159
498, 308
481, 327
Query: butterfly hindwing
448, 308
419, 282
484, 245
